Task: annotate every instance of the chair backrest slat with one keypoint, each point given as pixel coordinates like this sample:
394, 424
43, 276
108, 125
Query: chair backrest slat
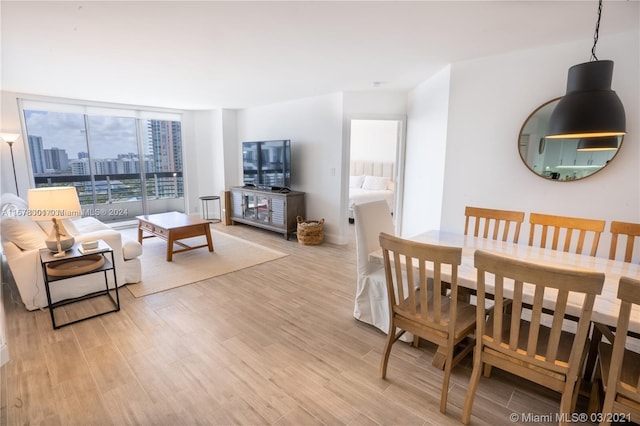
620, 383
564, 225
421, 300
492, 222
630, 231
514, 274
536, 319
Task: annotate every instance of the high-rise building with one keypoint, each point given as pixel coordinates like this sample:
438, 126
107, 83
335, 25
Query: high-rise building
165, 139
37, 154
56, 159
80, 166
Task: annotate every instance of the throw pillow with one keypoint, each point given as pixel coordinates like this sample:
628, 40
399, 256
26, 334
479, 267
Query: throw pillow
23, 232
12, 205
356, 181
375, 183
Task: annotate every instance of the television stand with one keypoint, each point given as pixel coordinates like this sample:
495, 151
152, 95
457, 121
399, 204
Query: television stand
267, 208
280, 189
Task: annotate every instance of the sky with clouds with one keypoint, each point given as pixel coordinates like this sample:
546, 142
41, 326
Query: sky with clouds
110, 136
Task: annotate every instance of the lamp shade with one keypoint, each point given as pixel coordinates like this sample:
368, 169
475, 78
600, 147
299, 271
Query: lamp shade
60, 202
589, 108
606, 143
9, 138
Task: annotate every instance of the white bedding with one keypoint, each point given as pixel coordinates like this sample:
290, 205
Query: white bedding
371, 181
360, 196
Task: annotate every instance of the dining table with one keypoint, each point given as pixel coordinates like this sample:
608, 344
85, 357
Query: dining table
607, 304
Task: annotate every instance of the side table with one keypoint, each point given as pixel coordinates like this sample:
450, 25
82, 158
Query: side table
205, 207
50, 263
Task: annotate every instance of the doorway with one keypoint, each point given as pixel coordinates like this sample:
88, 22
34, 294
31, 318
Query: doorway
377, 148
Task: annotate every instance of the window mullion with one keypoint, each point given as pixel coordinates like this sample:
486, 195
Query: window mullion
143, 166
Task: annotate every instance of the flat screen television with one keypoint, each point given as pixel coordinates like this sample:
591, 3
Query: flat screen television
267, 164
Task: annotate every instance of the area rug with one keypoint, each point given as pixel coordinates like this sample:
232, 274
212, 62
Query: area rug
230, 254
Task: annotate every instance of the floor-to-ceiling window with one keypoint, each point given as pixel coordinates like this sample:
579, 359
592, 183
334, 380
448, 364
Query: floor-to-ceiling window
123, 162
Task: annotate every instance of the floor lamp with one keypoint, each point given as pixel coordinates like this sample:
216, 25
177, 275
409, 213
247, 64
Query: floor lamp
10, 138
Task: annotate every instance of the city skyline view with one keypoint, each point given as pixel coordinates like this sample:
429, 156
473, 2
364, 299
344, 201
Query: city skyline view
68, 131
61, 142
108, 159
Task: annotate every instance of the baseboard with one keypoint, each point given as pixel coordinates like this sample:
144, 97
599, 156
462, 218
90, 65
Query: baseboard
4, 354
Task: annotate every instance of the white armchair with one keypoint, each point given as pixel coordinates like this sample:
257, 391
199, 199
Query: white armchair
22, 238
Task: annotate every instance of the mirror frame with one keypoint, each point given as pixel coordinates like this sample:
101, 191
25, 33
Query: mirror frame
542, 144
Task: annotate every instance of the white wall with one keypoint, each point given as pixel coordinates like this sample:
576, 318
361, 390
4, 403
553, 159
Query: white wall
232, 157
374, 140
489, 100
314, 126
198, 134
210, 144
425, 157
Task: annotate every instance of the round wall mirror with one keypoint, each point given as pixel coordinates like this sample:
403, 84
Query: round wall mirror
562, 159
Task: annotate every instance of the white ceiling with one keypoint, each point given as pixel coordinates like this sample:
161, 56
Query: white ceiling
212, 54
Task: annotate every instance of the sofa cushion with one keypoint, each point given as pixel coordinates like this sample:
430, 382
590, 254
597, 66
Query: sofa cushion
131, 249
23, 232
83, 225
47, 226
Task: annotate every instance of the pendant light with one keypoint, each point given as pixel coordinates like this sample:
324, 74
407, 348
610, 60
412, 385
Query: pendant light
605, 143
589, 108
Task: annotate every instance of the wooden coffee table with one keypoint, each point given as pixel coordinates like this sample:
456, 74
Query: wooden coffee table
174, 226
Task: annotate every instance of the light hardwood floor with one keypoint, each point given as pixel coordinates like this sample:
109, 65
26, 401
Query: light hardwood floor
271, 344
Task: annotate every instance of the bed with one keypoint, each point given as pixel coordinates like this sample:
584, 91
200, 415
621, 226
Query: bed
371, 181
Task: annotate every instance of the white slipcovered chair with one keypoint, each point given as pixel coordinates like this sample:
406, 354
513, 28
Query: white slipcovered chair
371, 304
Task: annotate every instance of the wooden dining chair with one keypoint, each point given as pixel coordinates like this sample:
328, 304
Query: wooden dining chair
624, 229
620, 367
417, 304
517, 340
562, 230
492, 221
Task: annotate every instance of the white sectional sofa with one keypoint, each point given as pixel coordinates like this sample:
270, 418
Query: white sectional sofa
22, 238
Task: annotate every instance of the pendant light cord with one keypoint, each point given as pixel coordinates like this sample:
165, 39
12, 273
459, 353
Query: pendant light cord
595, 34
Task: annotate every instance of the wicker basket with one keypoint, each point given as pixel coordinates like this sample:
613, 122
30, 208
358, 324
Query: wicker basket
310, 232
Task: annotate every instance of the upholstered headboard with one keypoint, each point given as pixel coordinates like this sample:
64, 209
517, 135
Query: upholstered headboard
373, 168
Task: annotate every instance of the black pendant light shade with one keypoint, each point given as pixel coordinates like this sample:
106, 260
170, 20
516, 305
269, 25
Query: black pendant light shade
606, 143
590, 108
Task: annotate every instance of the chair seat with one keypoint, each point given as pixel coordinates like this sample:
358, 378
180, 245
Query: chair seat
465, 317
566, 338
535, 370
630, 371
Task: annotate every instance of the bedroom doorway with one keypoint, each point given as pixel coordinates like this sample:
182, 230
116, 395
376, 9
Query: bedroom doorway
377, 150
